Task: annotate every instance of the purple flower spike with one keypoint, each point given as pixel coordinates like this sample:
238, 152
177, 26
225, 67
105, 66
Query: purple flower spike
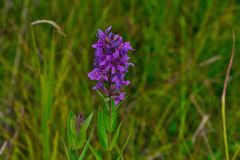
110, 64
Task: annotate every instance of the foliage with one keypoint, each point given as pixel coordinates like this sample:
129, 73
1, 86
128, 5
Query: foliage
182, 49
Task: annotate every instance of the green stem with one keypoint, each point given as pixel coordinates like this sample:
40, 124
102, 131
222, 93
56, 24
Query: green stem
109, 154
224, 128
223, 99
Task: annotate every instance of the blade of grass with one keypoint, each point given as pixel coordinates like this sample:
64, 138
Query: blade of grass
236, 153
95, 153
47, 87
124, 146
55, 25
223, 99
55, 146
65, 148
84, 151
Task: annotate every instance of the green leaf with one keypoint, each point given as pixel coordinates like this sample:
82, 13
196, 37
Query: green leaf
71, 130
73, 125
84, 151
81, 137
105, 100
95, 153
110, 118
113, 119
88, 120
55, 147
106, 119
102, 134
124, 146
73, 154
66, 149
115, 137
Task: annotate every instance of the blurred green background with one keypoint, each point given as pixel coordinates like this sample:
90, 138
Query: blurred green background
182, 49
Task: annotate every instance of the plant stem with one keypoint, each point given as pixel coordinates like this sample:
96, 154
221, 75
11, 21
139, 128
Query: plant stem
224, 128
109, 154
223, 99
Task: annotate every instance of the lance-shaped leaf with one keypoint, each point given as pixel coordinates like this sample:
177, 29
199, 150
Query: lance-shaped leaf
101, 128
81, 137
110, 117
106, 119
105, 100
124, 146
71, 130
96, 154
66, 149
115, 137
113, 119
84, 151
73, 154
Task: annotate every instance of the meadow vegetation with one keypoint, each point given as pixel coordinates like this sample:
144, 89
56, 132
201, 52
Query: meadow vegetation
173, 108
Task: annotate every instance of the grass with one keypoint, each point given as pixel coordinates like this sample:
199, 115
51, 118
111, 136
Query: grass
224, 97
182, 49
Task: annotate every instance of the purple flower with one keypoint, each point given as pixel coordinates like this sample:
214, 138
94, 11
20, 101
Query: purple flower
110, 64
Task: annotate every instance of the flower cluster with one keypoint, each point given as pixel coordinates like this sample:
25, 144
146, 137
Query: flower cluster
110, 64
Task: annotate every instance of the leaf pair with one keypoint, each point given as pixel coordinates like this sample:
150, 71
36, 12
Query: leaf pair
106, 125
77, 139
107, 122
82, 135
102, 128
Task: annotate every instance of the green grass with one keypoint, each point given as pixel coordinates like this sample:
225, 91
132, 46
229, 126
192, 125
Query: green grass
173, 85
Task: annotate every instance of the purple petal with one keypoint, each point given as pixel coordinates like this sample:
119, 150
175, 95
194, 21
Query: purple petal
113, 70
115, 79
102, 63
95, 45
94, 74
120, 68
108, 58
101, 34
116, 101
124, 59
115, 44
126, 83
127, 46
109, 67
121, 96
99, 85
116, 54
99, 54
108, 29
